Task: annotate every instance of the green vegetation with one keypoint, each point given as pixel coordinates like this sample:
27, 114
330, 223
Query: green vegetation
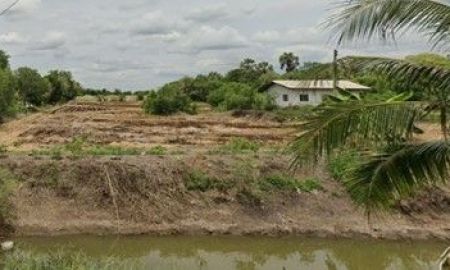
341, 164
79, 147
62, 260
395, 165
157, 151
169, 100
238, 146
8, 183
239, 96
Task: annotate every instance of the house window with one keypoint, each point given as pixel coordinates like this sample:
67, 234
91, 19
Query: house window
285, 98
304, 98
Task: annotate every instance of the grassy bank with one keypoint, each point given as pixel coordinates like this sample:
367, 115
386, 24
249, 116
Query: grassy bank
62, 261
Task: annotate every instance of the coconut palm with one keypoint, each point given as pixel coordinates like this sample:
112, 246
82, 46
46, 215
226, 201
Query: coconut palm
399, 165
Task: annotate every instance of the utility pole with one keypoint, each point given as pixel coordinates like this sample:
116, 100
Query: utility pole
335, 69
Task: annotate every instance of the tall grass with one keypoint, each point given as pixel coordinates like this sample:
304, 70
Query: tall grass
8, 183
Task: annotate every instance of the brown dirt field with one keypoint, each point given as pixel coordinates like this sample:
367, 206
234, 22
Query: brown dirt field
76, 197
126, 124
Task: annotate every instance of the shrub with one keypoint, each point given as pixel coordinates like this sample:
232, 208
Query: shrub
341, 164
239, 96
200, 181
169, 100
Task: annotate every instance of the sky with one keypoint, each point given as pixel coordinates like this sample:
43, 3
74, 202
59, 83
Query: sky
142, 44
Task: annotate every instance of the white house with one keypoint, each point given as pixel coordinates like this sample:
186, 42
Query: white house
301, 93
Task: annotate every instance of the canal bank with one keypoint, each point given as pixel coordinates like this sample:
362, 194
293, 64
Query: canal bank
202, 195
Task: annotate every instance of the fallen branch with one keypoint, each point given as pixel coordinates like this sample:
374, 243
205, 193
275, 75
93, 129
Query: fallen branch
113, 195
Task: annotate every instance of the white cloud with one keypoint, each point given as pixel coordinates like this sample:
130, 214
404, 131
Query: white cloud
209, 38
51, 41
13, 38
209, 13
270, 36
155, 23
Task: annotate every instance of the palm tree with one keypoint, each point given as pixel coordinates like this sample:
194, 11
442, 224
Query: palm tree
289, 61
396, 165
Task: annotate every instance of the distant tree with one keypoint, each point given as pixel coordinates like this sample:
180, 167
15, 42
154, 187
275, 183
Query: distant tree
289, 61
32, 88
7, 94
4, 60
249, 72
62, 86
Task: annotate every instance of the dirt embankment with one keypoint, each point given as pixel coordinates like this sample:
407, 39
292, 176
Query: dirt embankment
151, 195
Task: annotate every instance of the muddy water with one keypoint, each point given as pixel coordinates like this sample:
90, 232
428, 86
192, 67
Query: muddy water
248, 253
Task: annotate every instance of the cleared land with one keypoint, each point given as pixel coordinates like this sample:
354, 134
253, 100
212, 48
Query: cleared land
193, 188
125, 124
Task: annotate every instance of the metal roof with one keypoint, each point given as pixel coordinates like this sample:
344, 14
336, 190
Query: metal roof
321, 84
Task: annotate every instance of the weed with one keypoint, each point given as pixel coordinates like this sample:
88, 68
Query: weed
287, 183
199, 181
62, 260
157, 151
238, 146
8, 183
309, 185
341, 164
249, 197
110, 150
76, 146
3, 149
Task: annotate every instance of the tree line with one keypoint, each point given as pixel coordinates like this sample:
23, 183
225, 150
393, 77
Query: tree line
25, 87
242, 88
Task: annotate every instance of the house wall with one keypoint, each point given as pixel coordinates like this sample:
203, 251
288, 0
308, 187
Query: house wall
315, 96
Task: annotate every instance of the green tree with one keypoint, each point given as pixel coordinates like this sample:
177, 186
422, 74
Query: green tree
7, 94
289, 62
250, 72
397, 166
62, 86
4, 60
32, 88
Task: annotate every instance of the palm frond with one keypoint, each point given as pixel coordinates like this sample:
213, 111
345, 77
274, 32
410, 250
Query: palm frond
398, 174
361, 123
435, 76
385, 19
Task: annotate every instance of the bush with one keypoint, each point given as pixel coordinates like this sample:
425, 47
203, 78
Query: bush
239, 96
341, 164
169, 100
294, 113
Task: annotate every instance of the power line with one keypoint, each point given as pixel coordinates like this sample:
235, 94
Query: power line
9, 7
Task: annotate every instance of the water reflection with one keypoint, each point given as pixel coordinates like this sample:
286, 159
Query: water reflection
245, 253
